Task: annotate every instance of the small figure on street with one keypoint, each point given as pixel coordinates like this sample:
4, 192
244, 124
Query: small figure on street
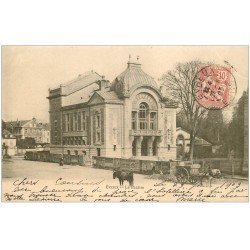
61, 161
153, 170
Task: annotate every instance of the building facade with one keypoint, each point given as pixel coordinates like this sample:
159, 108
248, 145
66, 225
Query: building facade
30, 128
201, 146
126, 118
8, 144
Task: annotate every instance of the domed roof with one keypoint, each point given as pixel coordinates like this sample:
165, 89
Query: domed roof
133, 76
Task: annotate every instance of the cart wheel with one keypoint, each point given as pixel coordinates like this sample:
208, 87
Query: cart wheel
193, 179
182, 176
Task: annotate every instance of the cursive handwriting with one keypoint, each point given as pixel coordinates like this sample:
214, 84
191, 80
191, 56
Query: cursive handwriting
84, 190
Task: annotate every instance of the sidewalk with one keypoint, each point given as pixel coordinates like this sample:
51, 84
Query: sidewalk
238, 177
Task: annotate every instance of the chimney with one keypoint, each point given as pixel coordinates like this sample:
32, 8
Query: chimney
103, 84
134, 64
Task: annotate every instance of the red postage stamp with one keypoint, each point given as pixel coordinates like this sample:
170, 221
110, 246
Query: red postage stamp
215, 87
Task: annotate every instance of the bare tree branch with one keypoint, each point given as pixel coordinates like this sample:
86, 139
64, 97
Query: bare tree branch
180, 84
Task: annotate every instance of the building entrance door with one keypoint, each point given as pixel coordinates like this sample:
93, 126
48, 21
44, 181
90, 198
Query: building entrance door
134, 147
155, 149
98, 152
144, 147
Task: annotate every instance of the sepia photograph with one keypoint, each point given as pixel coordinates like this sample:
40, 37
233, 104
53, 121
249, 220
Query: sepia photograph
125, 124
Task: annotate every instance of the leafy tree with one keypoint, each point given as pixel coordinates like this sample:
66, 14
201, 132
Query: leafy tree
28, 142
213, 126
3, 125
236, 128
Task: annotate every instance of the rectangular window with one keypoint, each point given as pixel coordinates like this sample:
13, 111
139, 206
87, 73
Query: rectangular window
98, 121
71, 122
98, 136
143, 118
153, 120
67, 126
79, 122
143, 125
64, 123
134, 120
83, 121
75, 122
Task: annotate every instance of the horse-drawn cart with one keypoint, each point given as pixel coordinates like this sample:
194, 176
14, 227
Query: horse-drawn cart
188, 172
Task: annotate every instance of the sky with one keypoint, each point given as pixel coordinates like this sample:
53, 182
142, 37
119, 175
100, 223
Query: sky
29, 71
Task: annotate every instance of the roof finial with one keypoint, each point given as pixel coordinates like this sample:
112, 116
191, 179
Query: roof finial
138, 58
129, 57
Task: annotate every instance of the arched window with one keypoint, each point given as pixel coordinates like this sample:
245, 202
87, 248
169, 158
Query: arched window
143, 112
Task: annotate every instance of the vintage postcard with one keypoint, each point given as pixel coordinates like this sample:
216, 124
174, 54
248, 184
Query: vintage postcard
125, 124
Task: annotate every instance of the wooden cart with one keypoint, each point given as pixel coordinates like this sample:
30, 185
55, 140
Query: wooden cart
187, 172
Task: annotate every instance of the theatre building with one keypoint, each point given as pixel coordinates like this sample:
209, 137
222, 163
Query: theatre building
126, 118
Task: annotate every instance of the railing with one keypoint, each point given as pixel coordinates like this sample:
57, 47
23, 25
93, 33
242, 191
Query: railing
145, 132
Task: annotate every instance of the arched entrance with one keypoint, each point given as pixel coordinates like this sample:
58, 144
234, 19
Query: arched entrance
144, 147
180, 144
155, 148
134, 147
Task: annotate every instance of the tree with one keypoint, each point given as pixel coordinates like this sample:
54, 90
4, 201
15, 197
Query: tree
236, 128
181, 120
3, 125
27, 142
213, 126
180, 84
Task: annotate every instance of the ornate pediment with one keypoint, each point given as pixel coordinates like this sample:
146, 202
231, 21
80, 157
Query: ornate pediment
95, 99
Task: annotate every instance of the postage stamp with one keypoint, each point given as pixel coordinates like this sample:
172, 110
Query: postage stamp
215, 87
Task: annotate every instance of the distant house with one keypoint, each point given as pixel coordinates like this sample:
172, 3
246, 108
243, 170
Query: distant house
8, 143
201, 146
30, 128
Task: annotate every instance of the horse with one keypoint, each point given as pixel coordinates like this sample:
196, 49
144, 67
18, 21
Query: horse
208, 173
124, 176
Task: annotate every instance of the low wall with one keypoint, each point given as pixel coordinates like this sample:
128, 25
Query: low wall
226, 166
138, 166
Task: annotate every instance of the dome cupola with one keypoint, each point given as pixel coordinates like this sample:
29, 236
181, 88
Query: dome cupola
131, 78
